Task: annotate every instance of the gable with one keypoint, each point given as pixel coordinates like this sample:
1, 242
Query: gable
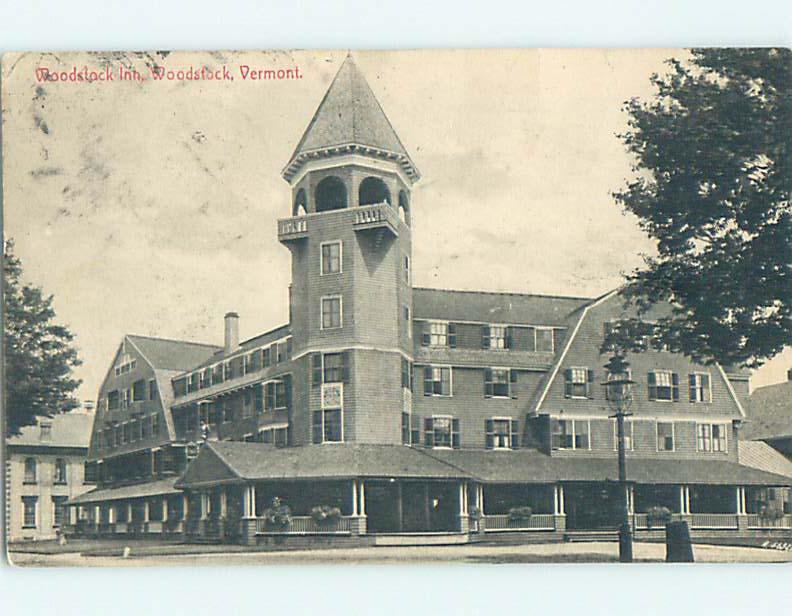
207, 467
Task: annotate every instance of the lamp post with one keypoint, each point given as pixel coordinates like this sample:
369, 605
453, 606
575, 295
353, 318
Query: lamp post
618, 387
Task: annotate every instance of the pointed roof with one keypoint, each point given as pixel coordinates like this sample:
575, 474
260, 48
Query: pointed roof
349, 119
164, 354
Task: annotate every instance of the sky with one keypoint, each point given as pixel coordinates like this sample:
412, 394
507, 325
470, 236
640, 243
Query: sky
150, 207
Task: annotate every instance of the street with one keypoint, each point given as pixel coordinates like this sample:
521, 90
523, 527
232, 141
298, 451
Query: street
584, 552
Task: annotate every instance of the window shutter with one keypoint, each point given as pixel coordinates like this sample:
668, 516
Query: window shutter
316, 368
317, 427
531, 338
425, 338
705, 384
508, 341
675, 386
589, 383
412, 376
270, 396
489, 429
429, 432
488, 389
652, 385
568, 382
452, 341
485, 336
287, 390
513, 384
428, 383
345, 369
455, 441
515, 434
692, 387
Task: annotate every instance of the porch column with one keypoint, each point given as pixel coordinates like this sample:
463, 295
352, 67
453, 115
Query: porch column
204, 505
362, 498
129, 511
111, 514
223, 503
355, 510
559, 508
480, 498
164, 508
185, 506
630, 498
740, 493
146, 512
73, 515
97, 515
464, 521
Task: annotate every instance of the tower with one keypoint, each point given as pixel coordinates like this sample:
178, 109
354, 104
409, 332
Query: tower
351, 295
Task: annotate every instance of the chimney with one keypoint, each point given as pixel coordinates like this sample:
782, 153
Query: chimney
231, 332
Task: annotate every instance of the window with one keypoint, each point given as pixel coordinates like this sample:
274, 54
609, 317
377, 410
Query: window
578, 382
437, 381
58, 510
60, 471
711, 437
406, 374
113, 400
544, 340
570, 434
155, 425
31, 465
406, 269
139, 389
628, 435
502, 433
328, 426
275, 398
441, 431
496, 337
331, 258
699, 385
265, 358
665, 436
152, 389
29, 507
497, 382
45, 433
406, 433
330, 368
331, 312
440, 334
663, 386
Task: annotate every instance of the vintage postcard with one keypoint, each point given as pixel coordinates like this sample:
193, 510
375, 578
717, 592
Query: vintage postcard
502, 306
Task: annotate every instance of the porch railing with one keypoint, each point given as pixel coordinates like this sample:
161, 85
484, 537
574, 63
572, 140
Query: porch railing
501, 522
757, 521
713, 520
305, 525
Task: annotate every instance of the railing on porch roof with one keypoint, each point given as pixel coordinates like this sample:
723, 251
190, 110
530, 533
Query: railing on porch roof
502, 522
757, 521
306, 525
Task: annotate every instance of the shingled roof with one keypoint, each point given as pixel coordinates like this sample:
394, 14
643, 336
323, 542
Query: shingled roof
164, 354
66, 430
223, 461
491, 307
770, 413
350, 116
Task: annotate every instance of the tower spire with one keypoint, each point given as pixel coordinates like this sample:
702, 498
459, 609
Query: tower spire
350, 119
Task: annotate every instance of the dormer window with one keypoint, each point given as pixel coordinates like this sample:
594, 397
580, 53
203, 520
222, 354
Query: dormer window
544, 340
45, 433
496, 337
663, 386
439, 334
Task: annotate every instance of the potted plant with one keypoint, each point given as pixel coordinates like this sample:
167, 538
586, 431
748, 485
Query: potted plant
325, 514
277, 516
657, 516
770, 514
520, 515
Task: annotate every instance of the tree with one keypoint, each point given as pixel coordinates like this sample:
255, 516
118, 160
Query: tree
38, 353
712, 183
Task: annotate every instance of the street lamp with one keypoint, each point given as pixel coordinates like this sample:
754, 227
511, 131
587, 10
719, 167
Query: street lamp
618, 392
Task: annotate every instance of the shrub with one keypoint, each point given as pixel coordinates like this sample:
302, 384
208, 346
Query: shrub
277, 516
520, 513
325, 513
658, 516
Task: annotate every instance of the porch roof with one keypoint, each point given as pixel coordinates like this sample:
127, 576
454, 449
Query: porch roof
531, 466
229, 461
138, 490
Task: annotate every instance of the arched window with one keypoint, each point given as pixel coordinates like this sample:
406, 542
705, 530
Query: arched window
300, 203
373, 190
404, 207
331, 194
